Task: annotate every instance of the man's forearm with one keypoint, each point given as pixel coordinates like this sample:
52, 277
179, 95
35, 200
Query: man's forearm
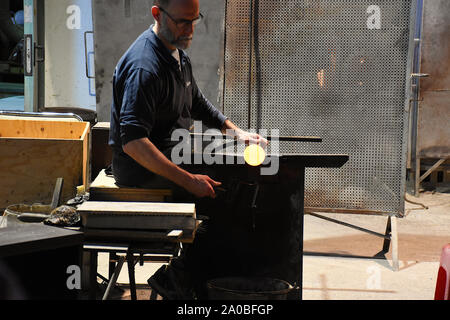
147, 155
228, 125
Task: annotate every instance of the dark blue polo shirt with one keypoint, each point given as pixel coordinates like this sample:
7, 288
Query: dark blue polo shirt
152, 97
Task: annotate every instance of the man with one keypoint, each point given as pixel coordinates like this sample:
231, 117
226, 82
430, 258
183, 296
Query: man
155, 93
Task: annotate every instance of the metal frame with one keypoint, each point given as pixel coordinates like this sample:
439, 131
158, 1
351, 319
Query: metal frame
414, 156
397, 207
41, 115
413, 107
413, 83
390, 236
119, 254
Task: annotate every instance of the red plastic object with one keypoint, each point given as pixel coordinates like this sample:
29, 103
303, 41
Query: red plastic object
443, 280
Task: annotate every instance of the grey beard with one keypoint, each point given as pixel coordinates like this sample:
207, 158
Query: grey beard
177, 43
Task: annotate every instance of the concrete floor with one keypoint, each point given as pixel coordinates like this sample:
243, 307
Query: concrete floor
339, 262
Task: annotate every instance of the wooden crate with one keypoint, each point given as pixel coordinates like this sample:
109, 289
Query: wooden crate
34, 153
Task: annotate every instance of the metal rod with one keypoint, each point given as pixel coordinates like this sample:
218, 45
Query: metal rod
131, 264
113, 280
257, 64
351, 226
224, 57
269, 138
41, 114
250, 66
162, 258
350, 211
414, 131
102, 278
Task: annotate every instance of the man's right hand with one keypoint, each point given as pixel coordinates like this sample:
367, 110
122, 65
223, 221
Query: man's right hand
202, 186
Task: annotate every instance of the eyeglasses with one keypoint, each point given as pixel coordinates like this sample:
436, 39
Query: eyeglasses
183, 23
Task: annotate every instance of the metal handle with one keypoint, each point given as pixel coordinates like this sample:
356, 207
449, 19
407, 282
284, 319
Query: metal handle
419, 75
36, 56
41, 114
86, 55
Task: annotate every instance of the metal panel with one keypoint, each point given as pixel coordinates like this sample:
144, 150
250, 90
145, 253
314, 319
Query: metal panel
318, 69
434, 109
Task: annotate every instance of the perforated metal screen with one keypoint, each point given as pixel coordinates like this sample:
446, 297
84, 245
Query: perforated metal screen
337, 69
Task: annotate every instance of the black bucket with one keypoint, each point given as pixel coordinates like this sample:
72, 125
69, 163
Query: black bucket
248, 289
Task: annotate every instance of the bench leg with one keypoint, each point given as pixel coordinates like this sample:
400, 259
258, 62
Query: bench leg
112, 264
153, 295
93, 255
387, 242
113, 280
131, 263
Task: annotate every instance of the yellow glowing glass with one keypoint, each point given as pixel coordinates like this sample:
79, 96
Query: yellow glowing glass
254, 155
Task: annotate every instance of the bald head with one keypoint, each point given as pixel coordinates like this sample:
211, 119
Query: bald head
162, 3
175, 21
176, 3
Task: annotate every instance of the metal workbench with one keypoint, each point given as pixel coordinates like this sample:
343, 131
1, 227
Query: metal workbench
259, 218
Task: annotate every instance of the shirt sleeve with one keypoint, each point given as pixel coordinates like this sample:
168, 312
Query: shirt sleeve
203, 110
138, 110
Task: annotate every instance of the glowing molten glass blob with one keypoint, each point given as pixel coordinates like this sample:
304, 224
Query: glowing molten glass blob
254, 155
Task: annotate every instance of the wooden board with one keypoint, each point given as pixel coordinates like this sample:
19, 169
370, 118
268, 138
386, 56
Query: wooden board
104, 188
138, 216
38, 129
29, 170
138, 208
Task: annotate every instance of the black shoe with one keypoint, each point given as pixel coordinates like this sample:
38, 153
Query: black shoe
171, 284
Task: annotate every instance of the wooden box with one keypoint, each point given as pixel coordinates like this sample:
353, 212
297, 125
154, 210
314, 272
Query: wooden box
34, 153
